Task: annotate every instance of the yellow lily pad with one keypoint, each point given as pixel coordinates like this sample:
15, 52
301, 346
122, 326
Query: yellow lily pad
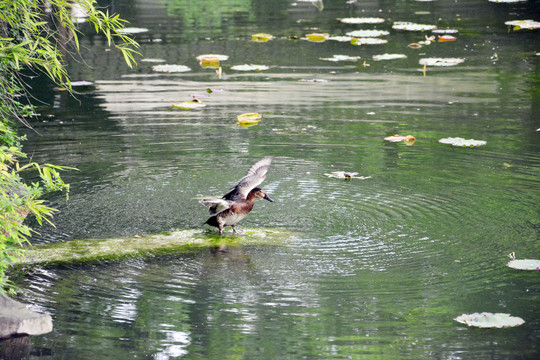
317, 37
261, 37
248, 118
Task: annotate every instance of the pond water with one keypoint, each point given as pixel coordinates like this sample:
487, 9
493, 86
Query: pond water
379, 267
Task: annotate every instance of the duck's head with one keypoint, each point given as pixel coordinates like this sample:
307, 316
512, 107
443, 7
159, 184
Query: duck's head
259, 193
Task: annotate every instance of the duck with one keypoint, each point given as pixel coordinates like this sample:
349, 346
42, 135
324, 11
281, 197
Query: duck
235, 205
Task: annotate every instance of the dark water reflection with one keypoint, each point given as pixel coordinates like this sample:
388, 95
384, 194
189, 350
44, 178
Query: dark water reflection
382, 265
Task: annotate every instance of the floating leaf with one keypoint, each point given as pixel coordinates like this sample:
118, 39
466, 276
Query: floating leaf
189, 105
81, 83
340, 38
409, 26
317, 37
506, 1
170, 68
409, 139
388, 57
356, 20
342, 58
441, 61
444, 31
248, 118
457, 141
132, 30
368, 41
367, 33
523, 24
153, 60
346, 175
446, 38
250, 67
525, 264
211, 60
261, 37
490, 320
212, 56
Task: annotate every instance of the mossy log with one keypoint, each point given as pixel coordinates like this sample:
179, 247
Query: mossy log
176, 242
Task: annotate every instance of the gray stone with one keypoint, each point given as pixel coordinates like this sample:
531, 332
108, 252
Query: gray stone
17, 320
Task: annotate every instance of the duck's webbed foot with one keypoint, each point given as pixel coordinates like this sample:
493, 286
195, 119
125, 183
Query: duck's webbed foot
237, 231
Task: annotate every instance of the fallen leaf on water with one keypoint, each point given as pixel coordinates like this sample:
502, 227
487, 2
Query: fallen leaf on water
446, 38
524, 264
368, 41
367, 33
189, 105
170, 68
408, 140
249, 67
409, 26
366, 20
341, 58
441, 61
457, 141
389, 57
132, 30
523, 24
490, 320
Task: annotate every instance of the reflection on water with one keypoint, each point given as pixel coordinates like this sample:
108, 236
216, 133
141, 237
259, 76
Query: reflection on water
382, 265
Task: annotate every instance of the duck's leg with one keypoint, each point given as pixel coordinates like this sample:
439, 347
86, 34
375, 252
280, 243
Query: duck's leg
220, 228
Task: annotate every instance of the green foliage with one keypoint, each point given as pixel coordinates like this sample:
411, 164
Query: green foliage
34, 34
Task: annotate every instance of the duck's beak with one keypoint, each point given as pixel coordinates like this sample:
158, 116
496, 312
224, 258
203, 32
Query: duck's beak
266, 197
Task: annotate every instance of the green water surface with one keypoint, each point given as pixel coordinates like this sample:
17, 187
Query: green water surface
379, 267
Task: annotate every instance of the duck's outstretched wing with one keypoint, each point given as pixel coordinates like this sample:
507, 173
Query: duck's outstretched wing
255, 176
215, 205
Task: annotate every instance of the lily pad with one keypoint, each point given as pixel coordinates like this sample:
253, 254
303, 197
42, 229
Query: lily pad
367, 33
150, 60
340, 38
523, 24
389, 57
166, 68
441, 61
249, 67
212, 56
506, 1
409, 26
409, 139
261, 37
366, 20
444, 31
490, 320
317, 37
189, 105
81, 83
525, 264
248, 118
368, 41
457, 141
341, 58
132, 30
346, 175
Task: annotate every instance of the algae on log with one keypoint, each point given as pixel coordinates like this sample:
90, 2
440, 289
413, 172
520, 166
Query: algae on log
83, 251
